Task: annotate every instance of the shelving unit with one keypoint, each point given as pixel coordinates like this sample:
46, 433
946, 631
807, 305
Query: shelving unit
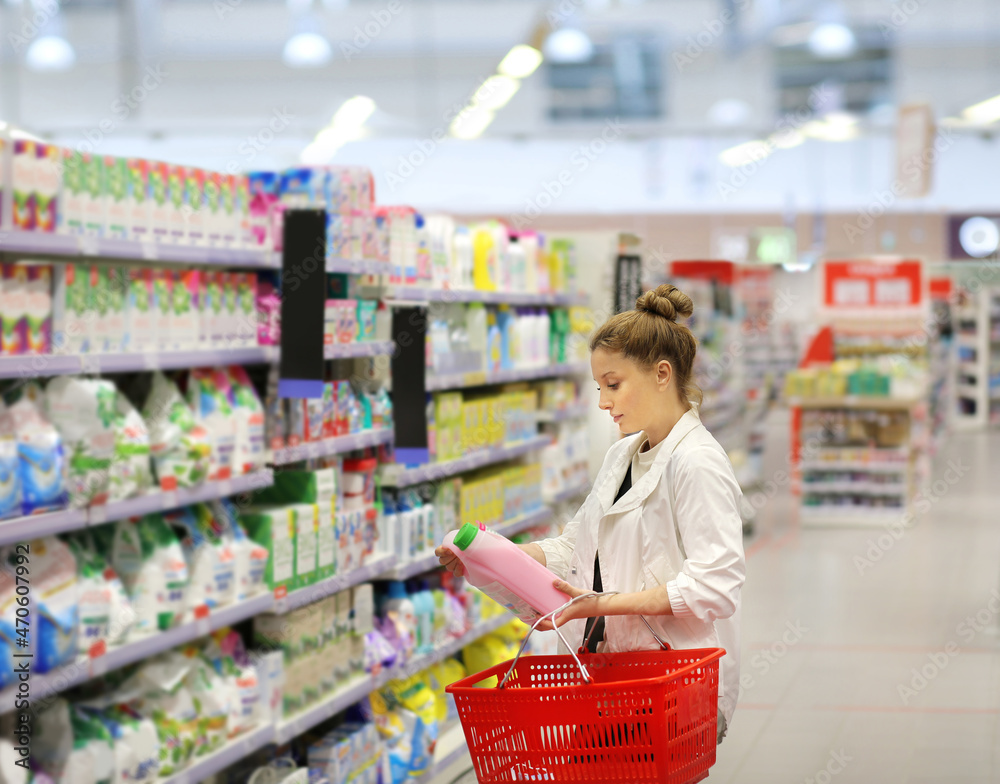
331, 446
977, 359
564, 415
464, 380
233, 751
397, 476
371, 348
40, 366
20, 529
417, 294
27, 244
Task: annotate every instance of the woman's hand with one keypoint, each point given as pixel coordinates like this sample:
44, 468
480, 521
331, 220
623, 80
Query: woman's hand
585, 608
449, 561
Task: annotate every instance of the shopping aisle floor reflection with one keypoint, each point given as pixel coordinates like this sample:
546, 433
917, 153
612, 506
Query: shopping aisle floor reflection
869, 657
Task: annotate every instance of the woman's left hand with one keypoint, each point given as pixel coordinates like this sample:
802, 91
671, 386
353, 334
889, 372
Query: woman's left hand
584, 608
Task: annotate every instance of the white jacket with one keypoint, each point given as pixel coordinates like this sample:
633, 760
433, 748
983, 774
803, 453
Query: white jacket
678, 526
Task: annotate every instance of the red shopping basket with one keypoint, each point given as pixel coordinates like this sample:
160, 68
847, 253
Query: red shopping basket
644, 717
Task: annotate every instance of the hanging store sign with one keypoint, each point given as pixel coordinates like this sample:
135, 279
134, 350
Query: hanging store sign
854, 285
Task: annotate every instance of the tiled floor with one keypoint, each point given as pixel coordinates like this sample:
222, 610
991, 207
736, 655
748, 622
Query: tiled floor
847, 634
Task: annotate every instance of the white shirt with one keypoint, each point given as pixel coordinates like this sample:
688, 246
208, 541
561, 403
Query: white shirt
678, 526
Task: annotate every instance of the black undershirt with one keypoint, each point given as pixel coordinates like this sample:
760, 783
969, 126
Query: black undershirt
597, 624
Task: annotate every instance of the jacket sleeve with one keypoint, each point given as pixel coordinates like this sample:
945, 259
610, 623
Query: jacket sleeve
559, 550
707, 513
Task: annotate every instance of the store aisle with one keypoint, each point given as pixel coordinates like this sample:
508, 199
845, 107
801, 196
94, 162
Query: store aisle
869, 657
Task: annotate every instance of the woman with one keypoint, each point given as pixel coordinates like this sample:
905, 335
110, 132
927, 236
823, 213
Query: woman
661, 526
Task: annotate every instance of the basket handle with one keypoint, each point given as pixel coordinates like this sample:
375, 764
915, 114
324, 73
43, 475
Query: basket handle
584, 672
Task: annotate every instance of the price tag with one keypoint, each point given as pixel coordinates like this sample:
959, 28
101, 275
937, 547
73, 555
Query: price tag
169, 500
150, 251
202, 624
87, 246
281, 600
98, 664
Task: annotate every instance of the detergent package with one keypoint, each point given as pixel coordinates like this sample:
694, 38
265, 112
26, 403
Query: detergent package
8, 620
179, 445
249, 448
82, 410
54, 598
207, 395
131, 472
72, 745
10, 475
213, 698
40, 456
249, 557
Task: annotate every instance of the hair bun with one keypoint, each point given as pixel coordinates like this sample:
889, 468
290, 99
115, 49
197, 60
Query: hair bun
667, 301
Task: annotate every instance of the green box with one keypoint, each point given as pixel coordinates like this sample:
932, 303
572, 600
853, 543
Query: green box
306, 540
301, 487
326, 541
274, 528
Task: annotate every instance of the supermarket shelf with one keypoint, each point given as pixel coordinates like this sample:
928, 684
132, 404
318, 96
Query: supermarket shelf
570, 493
855, 401
524, 522
451, 747
396, 476
347, 696
60, 365
158, 501
364, 348
429, 561
420, 294
967, 390
22, 529
31, 243
340, 700
856, 465
85, 668
855, 488
358, 266
236, 749
331, 585
479, 379
562, 415
859, 519
332, 446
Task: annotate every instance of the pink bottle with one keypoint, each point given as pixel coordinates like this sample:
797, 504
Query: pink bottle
503, 571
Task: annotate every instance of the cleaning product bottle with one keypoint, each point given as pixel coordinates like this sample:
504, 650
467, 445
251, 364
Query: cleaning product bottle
502, 570
399, 609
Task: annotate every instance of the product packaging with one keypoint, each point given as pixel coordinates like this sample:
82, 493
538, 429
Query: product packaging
40, 455
73, 315
54, 600
274, 528
179, 445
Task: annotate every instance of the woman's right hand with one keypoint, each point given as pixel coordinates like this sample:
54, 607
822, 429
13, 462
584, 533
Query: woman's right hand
449, 561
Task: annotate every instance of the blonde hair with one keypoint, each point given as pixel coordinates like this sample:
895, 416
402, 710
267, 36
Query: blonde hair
650, 333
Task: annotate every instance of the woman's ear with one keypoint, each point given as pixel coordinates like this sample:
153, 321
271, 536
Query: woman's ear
664, 373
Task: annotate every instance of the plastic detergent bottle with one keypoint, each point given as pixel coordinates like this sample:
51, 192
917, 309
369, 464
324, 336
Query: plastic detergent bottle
503, 571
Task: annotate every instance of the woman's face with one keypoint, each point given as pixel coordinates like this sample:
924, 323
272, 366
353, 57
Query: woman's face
629, 393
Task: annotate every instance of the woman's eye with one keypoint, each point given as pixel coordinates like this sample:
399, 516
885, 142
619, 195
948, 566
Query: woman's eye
612, 386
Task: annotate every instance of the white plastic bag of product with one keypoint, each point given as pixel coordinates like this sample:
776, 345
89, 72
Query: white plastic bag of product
225, 563
8, 618
148, 556
207, 394
201, 557
136, 744
249, 557
227, 654
179, 445
131, 471
213, 700
250, 448
10, 771
83, 410
105, 610
55, 616
72, 745
10, 475
40, 455
168, 702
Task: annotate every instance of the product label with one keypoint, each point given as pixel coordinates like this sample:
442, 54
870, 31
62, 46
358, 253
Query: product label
511, 601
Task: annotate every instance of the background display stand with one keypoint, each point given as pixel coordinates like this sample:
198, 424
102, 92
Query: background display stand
977, 358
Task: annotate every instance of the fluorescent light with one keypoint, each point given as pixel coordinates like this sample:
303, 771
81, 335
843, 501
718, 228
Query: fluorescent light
840, 118
354, 112
985, 112
786, 139
729, 112
748, 152
50, 53
830, 132
307, 50
832, 41
471, 122
979, 237
520, 62
568, 45
495, 92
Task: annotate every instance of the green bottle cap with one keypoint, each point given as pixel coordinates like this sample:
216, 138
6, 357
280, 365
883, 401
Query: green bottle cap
465, 536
